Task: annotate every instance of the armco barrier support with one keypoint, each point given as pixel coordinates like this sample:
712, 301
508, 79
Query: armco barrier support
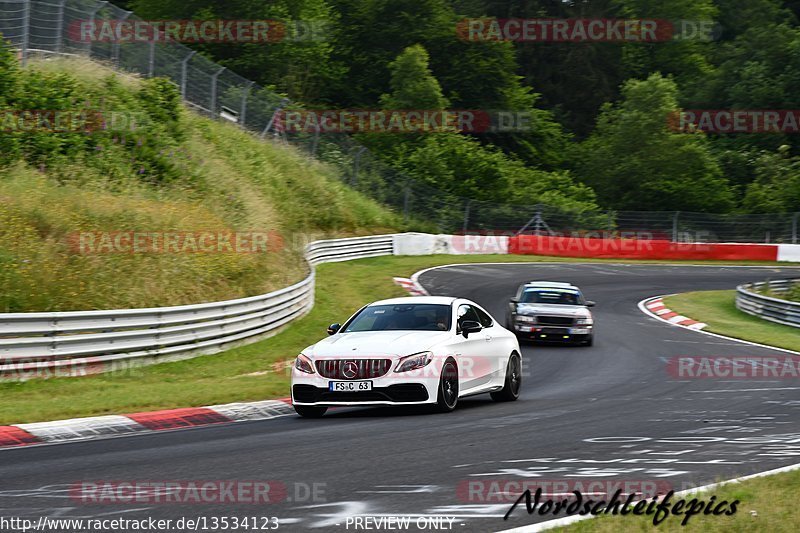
768, 307
639, 249
76, 343
84, 342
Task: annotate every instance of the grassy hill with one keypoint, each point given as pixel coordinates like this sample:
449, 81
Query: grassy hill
175, 171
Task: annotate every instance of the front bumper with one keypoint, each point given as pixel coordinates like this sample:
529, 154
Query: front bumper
391, 389
554, 333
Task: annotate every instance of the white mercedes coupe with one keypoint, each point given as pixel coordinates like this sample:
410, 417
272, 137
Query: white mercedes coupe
405, 351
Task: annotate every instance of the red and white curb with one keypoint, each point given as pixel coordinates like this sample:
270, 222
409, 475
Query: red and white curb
76, 429
412, 286
656, 307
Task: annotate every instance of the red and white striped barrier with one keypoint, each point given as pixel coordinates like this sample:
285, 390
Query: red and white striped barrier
118, 425
650, 249
658, 308
411, 286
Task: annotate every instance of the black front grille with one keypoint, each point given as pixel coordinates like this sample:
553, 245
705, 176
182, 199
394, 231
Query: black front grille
407, 392
353, 368
556, 320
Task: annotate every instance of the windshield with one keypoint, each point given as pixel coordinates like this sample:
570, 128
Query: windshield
415, 317
551, 296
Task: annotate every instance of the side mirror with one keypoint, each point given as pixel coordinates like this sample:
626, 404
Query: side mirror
514, 301
470, 326
333, 328
589, 303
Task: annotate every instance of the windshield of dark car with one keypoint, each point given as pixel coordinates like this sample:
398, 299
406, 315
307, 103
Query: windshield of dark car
551, 296
414, 317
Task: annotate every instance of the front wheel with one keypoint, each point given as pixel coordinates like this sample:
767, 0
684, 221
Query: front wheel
310, 411
513, 382
448, 388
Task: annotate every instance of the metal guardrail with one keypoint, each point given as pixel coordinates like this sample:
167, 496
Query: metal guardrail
79, 342
768, 307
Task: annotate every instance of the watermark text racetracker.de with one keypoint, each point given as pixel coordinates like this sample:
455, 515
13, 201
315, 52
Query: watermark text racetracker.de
734, 367
254, 31
201, 492
579, 30
174, 242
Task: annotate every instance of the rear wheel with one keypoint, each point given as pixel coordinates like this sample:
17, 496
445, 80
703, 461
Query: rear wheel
513, 382
448, 388
310, 411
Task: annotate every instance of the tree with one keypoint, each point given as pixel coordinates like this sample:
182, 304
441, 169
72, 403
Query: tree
413, 85
298, 62
634, 161
776, 188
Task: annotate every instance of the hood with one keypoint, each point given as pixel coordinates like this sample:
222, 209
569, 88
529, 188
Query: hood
380, 343
552, 309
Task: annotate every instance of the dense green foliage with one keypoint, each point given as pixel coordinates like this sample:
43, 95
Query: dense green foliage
590, 121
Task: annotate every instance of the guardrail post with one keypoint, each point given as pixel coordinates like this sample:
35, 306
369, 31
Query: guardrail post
184, 72
26, 25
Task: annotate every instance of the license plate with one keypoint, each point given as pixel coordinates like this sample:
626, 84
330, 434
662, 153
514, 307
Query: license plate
578, 331
349, 386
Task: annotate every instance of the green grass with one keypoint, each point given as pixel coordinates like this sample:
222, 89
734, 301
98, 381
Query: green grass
718, 310
766, 504
209, 176
253, 372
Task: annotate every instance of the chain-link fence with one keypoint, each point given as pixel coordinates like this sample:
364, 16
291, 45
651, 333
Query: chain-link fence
54, 26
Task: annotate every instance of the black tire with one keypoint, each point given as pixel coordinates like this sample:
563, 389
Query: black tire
310, 411
447, 399
513, 382
589, 341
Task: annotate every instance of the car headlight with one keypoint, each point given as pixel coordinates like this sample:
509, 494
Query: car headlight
303, 364
528, 319
583, 321
414, 361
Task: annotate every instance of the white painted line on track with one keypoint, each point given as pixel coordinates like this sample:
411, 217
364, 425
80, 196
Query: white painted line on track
746, 390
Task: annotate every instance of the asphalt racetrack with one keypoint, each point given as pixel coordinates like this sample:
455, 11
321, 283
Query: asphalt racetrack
609, 412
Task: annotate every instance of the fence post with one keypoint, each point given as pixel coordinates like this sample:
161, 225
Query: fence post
795, 218
315, 141
356, 162
243, 106
115, 50
26, 25
214, 79
151, 59
92, 17
60, 26
406, 201
675, 226
275, 113
466, 217
184, 72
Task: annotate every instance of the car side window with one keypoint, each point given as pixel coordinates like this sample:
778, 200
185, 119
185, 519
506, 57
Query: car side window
467, 312
484, 318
